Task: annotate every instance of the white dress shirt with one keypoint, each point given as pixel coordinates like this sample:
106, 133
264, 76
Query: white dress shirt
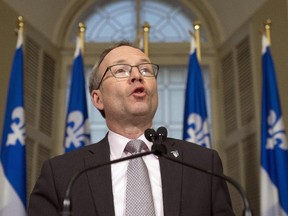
119, 174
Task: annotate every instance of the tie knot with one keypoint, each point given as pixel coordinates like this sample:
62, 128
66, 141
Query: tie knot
135, 146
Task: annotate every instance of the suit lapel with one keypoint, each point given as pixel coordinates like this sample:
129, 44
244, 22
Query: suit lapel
171, 175
100, 179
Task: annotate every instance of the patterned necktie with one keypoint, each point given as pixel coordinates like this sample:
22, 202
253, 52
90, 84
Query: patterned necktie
139, 200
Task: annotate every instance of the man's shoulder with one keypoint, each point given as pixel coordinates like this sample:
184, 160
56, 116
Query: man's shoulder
185, 145
77, 155
192, 153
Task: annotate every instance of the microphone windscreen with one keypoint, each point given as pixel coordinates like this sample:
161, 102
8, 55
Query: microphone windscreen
150, 134
162, 132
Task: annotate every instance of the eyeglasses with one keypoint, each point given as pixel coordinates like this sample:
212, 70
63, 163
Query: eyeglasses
122, 71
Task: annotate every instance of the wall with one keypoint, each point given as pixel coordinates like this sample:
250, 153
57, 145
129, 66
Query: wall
240, 75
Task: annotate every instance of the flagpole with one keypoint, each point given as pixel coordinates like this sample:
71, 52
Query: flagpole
19, 30
146, 29
197, 27
139, 38
81, 33
138, 22
267, 27
77, 111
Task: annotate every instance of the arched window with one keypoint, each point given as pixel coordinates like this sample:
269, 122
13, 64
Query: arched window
117, 20
170, 24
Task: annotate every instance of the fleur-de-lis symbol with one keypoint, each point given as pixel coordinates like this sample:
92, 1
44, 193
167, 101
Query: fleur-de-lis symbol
198, 130
17, 126
77, 130
276, 132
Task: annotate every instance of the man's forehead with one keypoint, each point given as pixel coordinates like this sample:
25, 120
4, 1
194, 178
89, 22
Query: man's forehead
123, 54
124, 50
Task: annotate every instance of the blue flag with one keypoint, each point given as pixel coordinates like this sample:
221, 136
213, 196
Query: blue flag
195, 113
77, 131
274, 147
13, 154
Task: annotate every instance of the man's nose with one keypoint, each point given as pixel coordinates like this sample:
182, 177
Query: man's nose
135, 74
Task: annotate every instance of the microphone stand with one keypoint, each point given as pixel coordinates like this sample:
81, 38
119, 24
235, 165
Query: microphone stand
157, 138
247, 210
159, 149
67, 203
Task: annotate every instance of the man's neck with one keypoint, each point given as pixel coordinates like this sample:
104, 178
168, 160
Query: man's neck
129, 130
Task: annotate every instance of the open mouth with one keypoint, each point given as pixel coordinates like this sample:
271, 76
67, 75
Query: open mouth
139, 90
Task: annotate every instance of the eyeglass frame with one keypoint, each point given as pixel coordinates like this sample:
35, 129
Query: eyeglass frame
137, 66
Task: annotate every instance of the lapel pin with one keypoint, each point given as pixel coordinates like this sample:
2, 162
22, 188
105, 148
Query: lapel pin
175, 153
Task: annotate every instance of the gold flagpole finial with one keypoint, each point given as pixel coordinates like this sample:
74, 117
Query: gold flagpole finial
197, 26
20, 24
146, 29
267, 28
81, 32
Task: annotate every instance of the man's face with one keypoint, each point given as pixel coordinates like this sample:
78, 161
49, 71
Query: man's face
131, 97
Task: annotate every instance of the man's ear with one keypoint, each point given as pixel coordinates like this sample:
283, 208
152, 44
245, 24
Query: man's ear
96, 98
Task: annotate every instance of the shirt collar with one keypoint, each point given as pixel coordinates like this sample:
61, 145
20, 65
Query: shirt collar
118, 142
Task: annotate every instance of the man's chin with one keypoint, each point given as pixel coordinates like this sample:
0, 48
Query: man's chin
143, 110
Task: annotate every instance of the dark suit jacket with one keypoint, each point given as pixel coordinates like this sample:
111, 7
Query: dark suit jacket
186, 192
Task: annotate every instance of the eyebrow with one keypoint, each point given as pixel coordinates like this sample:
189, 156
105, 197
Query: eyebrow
122, 61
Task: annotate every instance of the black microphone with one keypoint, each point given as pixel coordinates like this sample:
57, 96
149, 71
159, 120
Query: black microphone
150, 135
156, 138
161, 135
